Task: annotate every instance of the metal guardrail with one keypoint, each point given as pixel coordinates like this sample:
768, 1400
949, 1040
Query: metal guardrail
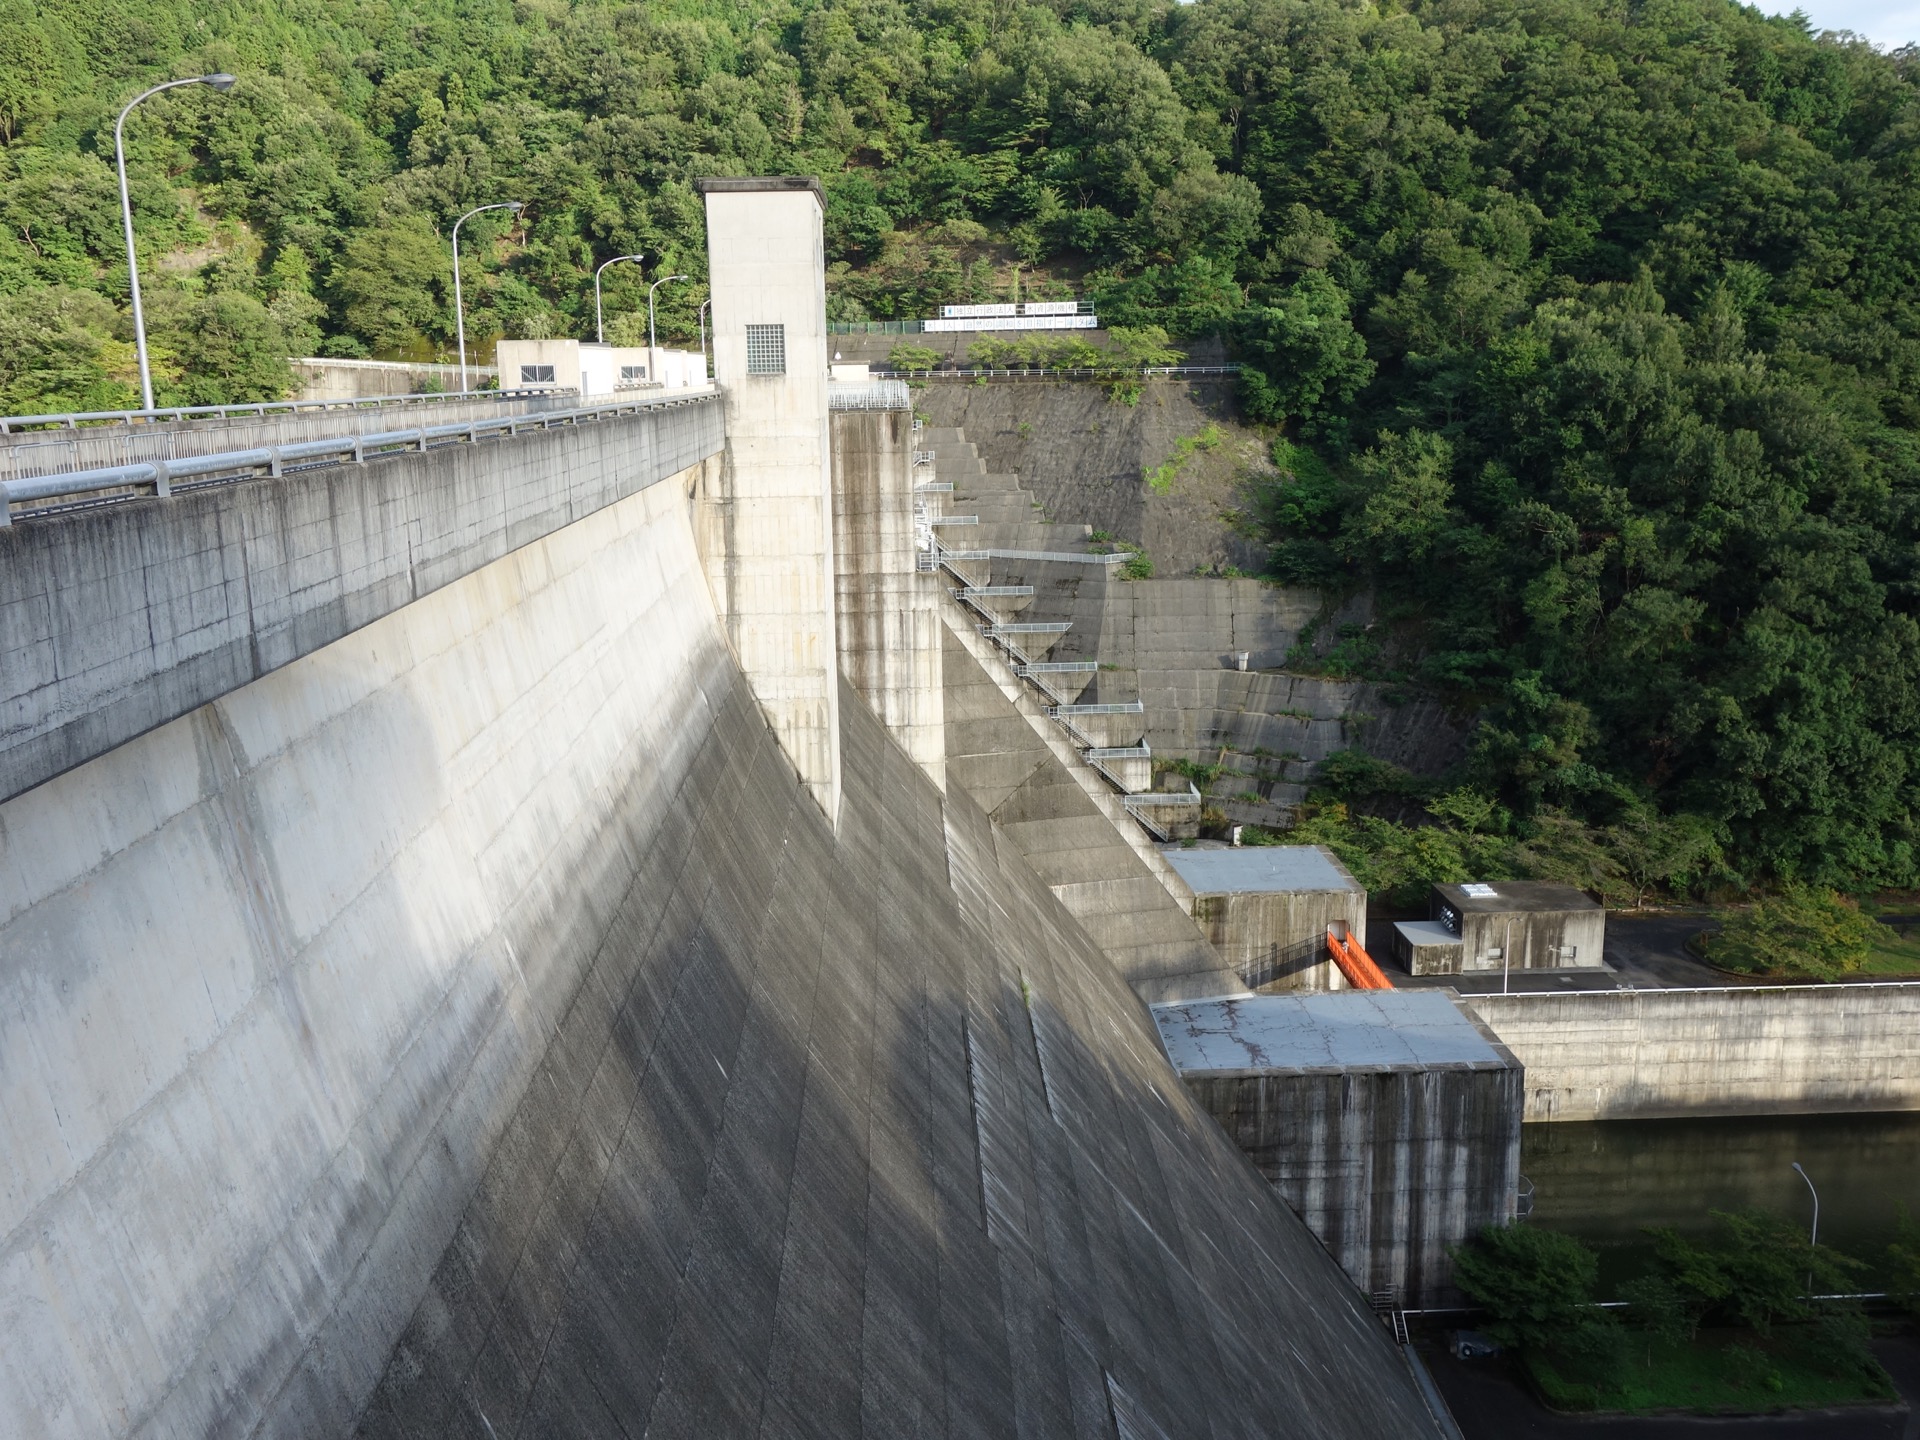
1120, 752
75, 420
1123, 707
1156, 799
277, 459
954, 520
934, 487
1028, 627
1072, 557
983, 592
1084, 373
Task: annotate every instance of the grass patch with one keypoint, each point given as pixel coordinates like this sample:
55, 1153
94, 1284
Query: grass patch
1160, 479
1899, 958
1718, 1372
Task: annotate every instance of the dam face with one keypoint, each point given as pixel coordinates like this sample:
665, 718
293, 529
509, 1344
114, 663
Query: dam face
468, 1020
475, 1027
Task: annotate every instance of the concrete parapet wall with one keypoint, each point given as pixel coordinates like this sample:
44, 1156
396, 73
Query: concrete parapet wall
1642, 1054
56, 452
115, 620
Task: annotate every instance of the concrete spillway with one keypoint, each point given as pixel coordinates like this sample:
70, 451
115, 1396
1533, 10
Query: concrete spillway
474, 1026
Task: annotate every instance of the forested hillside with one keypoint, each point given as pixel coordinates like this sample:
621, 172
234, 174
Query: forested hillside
1589, 331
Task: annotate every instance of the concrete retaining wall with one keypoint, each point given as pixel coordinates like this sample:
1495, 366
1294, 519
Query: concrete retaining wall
115, 620
1641, 1054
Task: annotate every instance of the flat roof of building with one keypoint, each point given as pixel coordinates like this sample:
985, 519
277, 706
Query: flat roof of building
736, 184
1425, 932
1255, 868
1362, 1030
1507, 896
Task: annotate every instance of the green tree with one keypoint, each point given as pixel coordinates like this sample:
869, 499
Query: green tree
55, 355
1802, 931
1304, 359
1758, 1270
387, 284
1536, 1287
228, 351
1903, 1264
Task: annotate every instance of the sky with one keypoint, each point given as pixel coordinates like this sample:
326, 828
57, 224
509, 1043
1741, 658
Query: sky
1888, 23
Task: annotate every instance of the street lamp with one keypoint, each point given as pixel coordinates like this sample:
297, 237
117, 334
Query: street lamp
459, 304
218, 82
653, 358
1814, 1237
705, 373
599, 327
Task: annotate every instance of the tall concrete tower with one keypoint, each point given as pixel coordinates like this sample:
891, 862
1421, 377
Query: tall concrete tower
768, 529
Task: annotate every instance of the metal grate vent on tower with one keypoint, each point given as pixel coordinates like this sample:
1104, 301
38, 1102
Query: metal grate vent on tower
766, 349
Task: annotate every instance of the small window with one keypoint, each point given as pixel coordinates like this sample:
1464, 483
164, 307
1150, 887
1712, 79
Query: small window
766, 349
630, 373
536, 374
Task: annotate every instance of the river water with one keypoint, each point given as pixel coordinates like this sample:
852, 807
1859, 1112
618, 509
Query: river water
1606, 1180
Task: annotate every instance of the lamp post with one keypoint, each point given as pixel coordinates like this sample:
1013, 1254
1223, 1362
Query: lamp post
705, 373
599, 326
220, 82
653, 357
1813, 1237
459, 302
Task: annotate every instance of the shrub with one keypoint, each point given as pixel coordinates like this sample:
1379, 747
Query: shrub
1537, 1288
1802, 932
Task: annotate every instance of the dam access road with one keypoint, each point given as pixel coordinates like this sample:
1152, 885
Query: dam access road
471, 965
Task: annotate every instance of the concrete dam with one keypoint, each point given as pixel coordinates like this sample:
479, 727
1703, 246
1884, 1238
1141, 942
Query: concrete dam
512, 928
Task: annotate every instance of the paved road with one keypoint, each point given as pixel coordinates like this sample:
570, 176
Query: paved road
1489, 1405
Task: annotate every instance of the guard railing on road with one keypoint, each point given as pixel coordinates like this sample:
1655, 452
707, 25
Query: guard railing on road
18, 424
163, 475
1150, 372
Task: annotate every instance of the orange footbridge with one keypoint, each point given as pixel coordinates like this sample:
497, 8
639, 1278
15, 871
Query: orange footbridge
1358, 966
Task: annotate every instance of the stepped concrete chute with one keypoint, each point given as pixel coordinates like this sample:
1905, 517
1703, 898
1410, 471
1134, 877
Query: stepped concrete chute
475, 1026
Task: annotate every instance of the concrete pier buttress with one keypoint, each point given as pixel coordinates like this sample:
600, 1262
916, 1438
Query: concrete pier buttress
888, 610
767, 525
1736, 1050
115, 620
1390, 1120
474, 1027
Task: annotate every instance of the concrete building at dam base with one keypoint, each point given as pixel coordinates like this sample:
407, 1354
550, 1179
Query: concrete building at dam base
598, 911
